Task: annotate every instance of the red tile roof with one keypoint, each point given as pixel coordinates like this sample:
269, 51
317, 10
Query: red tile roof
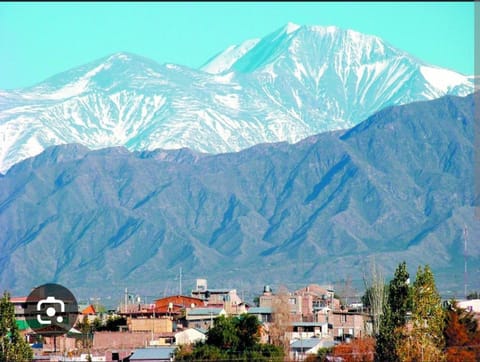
89, 310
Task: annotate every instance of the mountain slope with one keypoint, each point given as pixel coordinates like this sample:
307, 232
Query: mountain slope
397, 186
293, 83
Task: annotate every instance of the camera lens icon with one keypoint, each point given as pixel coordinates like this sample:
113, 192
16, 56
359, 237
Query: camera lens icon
51, 310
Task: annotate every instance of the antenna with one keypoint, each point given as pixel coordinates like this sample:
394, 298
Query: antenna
465, 272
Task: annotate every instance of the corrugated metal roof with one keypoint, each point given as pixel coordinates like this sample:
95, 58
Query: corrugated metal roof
205, 311
305, 343
161, 353
260, 310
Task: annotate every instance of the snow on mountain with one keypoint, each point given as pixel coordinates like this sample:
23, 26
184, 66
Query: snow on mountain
225, 59
295, 82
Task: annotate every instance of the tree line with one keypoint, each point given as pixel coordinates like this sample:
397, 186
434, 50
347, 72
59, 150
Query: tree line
410, 323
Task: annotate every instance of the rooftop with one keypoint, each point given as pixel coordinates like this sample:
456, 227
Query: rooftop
305, 343
308, 324
260, 310
214, 291
205, 311
152, 353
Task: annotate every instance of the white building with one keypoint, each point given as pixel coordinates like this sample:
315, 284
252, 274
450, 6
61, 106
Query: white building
190, 336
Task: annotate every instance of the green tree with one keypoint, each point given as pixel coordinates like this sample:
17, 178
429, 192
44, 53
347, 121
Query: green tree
112, 324
13, 347
399, 296
87, 332
97, 324
394, 315
473, 295
200, 352
424, 339
248, 331
231, 339
223, 334
427, 313
323, 352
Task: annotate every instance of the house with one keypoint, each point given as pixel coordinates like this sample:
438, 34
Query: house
225, 298
312, 298
264, 314
20, 306
301, 348
151, 324
143, 318
305, 330
87, 311
120, 341
346, 324
202, 317
304, 302
190, 336
157, 354
26, 319
176, 304
266, 299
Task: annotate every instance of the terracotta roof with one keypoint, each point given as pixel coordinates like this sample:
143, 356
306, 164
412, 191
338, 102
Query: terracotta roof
18, 299
89, 310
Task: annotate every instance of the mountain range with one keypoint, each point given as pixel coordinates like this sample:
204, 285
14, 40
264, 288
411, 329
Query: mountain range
397, 186
293, 83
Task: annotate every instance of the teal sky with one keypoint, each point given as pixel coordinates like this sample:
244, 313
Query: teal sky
40, 40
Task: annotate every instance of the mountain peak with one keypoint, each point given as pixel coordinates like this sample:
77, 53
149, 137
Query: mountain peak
291, 27
295, 82
127, 57
104, 73
123, 56
314, 44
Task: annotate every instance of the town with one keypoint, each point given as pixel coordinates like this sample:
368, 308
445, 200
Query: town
309, 320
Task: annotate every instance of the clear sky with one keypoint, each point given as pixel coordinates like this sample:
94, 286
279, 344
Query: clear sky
40, 40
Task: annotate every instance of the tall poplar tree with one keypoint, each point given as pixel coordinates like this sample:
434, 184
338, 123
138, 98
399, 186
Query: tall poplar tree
424, 340
394, 315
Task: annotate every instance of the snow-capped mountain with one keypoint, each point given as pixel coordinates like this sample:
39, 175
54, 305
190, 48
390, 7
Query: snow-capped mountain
295, 82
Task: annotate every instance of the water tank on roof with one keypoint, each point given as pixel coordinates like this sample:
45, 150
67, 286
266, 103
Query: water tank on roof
267, 289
